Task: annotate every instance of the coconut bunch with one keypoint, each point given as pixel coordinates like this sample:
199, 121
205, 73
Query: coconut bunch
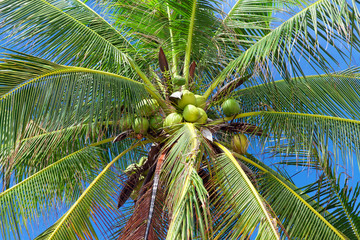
190, 107
185, 105
147, 117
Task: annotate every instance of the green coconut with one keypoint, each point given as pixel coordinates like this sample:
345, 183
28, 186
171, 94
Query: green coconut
178, 80
203, 116
191, 113
200, 101
141, 125
186, 99
156, 122
172, 119
230, 107
239, 143
125, 122
147, 107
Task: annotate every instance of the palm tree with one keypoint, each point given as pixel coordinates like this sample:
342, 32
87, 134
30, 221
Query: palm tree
80, 81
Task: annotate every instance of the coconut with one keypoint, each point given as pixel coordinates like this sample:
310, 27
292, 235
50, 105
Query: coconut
186, 99
141, 125
191, 113
231, 107
200, 101
172, 119
156, 122
125, 122
239, 143
203, 116
147, 107
178, 80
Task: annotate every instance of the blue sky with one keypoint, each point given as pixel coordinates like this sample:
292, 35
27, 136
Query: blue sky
305, 177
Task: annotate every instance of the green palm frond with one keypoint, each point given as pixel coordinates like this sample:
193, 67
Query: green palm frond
76, 222
332, 191
299, 131
187, 196
152, 21
242, 199
299, 206
66, 32
67, 97
38, 149
33, 154
334, 94
17, 68
22, 203
330, 21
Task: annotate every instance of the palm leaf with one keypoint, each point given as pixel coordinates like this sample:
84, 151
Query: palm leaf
167, 23
299, 206
81, 40
65, 98
331, 190
247, 207
333, 94
293, 36
22, 203
76, 222
299, 131
186, 196
17, 68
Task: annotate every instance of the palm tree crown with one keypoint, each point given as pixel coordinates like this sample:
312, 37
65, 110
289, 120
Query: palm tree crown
136, 116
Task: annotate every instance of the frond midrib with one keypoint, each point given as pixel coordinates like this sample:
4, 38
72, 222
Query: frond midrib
310, 77
67, 70
253, 114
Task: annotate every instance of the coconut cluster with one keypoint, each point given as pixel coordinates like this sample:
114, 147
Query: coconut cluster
191, 109
147, 117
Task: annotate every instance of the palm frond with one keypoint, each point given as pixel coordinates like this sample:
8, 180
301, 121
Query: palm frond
247, 207
17, 68
330, 21
189, 42
331, 190
243, 25
280, 192
335, 94
299, 131
33, 154
65, 32
76, 222
167, 23
67, 97
22, 203
186, 196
